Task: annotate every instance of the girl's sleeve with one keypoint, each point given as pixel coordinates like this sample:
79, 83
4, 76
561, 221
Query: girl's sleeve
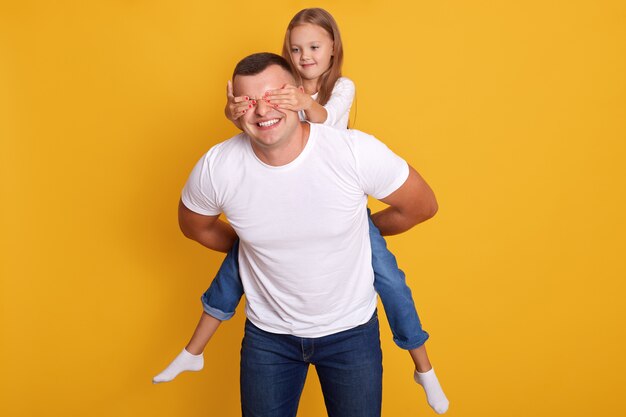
339, 104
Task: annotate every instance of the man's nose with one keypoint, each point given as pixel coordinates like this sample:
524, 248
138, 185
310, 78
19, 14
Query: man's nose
262, 107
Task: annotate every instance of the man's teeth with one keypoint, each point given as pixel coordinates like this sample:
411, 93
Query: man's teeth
268, 123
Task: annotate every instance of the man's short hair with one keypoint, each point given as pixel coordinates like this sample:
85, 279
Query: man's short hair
257, 63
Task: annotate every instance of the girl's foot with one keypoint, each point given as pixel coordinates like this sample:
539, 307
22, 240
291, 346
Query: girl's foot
185, 361
434, 394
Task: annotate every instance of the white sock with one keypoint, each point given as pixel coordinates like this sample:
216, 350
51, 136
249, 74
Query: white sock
434, 394
185, 361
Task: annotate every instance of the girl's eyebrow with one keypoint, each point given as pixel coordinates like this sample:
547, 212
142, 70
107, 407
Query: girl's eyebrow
295, 44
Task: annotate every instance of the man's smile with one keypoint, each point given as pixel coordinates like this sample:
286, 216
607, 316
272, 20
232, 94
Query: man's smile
268, 124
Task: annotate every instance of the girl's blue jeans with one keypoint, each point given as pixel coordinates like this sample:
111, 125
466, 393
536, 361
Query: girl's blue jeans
225, 292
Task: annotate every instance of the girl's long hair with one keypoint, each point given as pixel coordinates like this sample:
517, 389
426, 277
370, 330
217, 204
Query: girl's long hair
325, 20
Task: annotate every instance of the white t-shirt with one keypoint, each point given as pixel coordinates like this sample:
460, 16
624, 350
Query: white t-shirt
339, 104
304, 253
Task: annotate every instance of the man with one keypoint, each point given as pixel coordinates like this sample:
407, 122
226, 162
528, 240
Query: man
295, 194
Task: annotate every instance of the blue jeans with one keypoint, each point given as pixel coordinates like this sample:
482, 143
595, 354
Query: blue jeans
225, 292
348, 363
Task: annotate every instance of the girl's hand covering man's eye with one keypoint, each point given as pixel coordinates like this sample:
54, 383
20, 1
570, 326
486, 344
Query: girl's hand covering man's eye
236, 106
289, 97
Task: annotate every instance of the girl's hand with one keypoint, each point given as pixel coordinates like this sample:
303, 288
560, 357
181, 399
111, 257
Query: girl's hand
289, 97
236, 106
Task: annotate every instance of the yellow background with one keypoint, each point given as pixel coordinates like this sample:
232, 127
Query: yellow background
515, 112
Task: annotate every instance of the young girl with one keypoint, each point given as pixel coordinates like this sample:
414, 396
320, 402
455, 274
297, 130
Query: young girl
313, 47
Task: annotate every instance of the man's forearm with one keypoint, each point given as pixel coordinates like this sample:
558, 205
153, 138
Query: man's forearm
411, 204
220, 237
209, 231
391, 221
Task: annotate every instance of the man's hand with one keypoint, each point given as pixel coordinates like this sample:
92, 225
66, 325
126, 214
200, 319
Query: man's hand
209, 231
411, 204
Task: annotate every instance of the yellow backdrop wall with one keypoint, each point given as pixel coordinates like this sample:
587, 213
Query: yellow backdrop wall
515, 112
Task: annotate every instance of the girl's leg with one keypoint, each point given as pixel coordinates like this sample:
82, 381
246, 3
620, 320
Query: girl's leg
420, 359
223, 295
425, 376
191, 359
390, 284
206, 328
219, 302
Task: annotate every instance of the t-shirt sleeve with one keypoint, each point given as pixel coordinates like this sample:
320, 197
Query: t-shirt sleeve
199, 194
338, 106
380, 171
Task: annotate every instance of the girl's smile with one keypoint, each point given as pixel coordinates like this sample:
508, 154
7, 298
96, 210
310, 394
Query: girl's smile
311, 50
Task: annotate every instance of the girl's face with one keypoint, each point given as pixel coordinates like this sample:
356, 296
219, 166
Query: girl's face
311, 50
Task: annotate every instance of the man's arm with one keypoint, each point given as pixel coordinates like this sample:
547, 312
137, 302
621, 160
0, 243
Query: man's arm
411, 204
209, 231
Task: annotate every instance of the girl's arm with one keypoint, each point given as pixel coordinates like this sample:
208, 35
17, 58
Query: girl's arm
315, 112
293, 98
339, 104
333, 113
